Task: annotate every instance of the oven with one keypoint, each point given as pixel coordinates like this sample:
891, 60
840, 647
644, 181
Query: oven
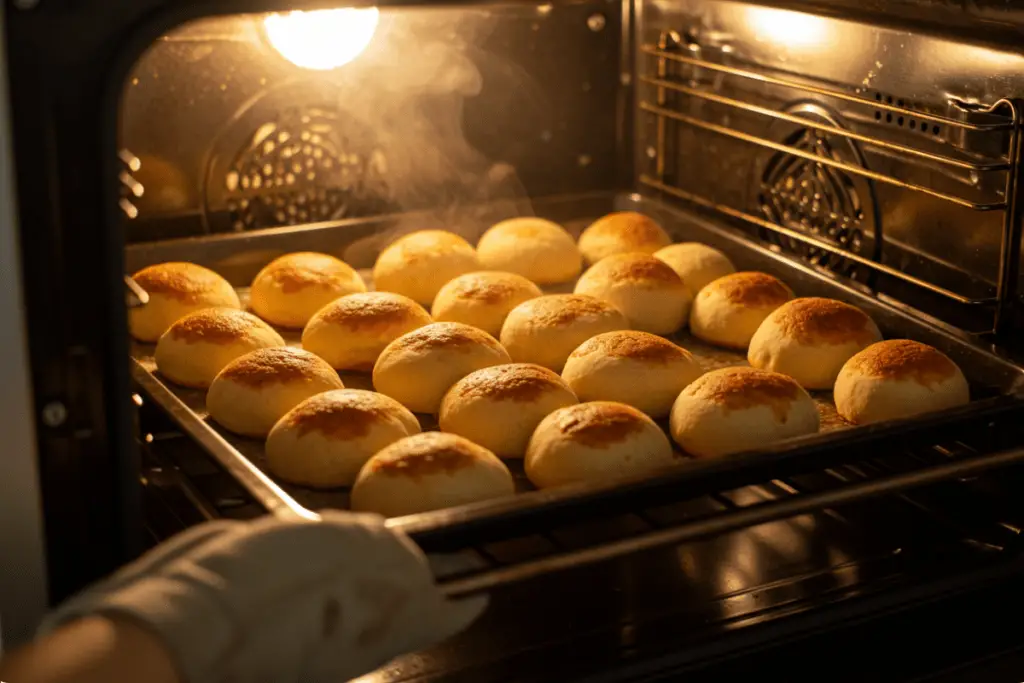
866, 152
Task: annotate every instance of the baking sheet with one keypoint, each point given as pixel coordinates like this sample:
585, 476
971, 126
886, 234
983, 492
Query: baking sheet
710, 358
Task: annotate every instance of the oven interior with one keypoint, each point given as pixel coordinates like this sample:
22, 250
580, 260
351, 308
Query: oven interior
853, 158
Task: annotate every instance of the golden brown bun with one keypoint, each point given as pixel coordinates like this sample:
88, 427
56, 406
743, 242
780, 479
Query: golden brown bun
429, 471
291, 288
324, 441
739, 409
499, 407
622, 232
197, 347
595, 441
417, 265
482, 299
728, 311
547, 329
696, 264
537, 249
175, 290
419, 367
350, 332
644, 289
635, 368
810, 340
898, 378
254, 391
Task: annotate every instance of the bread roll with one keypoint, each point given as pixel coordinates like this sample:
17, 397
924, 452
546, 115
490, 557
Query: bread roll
537, 249
635, 368
739, 409
420, 263
324, 441
419, 367
482, 299
350, 332
291, 288
254, 391
644, 289
620, 233
810, 340
696, 264
898, 378
595, 441
197, 347
545, 330
499, 407
429, 471
175, 290
728, 311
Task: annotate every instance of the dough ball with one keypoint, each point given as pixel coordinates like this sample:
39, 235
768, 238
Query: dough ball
547, 329
537, 249
728, 311
420, 263
419, 367
636, 368
482, 299
740, 409
644, 289
595, 441
324, 441
254, 391
175, 290
622, 232
810, 340
350, 332
291, 288
696, 264
429, 471
499, 407
197, 347
898, 378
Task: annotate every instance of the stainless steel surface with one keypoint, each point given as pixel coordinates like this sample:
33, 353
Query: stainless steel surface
23, 587
693, 86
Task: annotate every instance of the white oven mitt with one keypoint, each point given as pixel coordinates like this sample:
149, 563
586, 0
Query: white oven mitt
281, 601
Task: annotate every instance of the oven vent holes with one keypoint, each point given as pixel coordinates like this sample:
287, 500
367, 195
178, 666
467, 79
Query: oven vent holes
904, 120
302, 169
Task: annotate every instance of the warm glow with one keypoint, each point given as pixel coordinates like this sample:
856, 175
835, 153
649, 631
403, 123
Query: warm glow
322, 39
789, 28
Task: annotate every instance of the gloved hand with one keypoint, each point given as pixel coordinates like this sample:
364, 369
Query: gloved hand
281, 601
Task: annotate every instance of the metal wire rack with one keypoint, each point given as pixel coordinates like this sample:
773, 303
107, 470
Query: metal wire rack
664, 60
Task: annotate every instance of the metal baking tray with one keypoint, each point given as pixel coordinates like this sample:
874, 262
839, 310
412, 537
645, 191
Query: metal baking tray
239, 257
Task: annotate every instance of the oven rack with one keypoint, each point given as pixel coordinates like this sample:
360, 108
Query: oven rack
670, 87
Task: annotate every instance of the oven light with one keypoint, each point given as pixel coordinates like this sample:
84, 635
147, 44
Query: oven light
321, 39
793, 29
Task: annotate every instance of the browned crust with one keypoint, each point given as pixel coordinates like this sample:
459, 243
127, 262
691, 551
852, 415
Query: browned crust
903, 359
752, 289
824, 321
374, 311
269, 366
600, 423
215, 326
185, 282
491, 288
633, 344
630, 227
425, 455
559, 310
428, 244
295, 272
514, 382
637, 267
444, 336
340, 415
743, 388
530, 227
